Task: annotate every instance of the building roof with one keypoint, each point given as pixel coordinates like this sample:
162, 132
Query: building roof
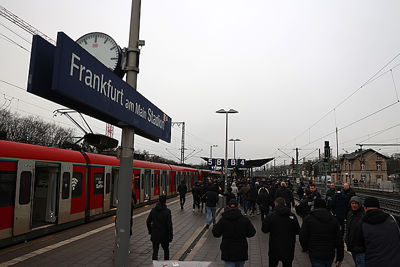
358, 153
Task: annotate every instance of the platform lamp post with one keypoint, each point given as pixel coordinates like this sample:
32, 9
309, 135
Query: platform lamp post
234, 146
226, 112
211, 147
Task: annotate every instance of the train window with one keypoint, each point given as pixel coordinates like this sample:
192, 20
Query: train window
108, 183
25, 188
76, 184
153, 181
137, 181
98, 184
7, 188
65, 185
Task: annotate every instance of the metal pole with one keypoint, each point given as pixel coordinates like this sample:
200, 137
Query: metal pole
121, 246
226, 153
234, 150
337, 156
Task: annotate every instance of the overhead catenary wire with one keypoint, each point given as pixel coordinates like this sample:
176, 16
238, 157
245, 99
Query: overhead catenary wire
371, 79
394, 84
352, 123
14, 42
23, 38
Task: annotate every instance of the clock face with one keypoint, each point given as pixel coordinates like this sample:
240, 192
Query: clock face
102, 47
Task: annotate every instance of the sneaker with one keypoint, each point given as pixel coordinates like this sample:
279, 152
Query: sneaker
194, 210
207, 226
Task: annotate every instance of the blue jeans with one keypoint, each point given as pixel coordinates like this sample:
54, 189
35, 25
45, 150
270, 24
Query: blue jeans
211, 210
359, 259
246, 205
234, 263
321, 263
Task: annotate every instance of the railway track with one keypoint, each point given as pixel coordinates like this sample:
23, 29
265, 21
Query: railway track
388, 202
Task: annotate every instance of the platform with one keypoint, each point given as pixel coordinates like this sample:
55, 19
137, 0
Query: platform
92, 244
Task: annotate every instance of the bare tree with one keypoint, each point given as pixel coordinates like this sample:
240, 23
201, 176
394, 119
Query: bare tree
33, 130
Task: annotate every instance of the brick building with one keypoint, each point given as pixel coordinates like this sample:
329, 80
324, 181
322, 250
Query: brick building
362, 167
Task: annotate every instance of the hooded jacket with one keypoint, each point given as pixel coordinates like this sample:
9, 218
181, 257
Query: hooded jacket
283, 228
354, 235
211, 196
320, 235
234, 229
382, 239
159, 224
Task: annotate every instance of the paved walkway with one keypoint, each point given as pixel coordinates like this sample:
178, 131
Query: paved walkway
92, 244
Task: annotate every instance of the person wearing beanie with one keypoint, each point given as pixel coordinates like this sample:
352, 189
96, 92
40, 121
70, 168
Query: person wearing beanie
354, 236
381, 233
159, 225
320, 236
283, 228
234, 229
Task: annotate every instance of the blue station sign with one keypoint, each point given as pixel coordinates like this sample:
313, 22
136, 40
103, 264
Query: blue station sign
232, 163
68, 75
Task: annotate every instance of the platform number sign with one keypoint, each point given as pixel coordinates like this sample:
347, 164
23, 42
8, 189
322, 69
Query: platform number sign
232, 163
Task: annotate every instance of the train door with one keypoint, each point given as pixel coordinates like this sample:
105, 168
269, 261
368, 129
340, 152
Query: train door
136, 184
146, 184
156, 183
64, 200
45, 194
96, 190
172, 182
164, 185
23, 196
107, 189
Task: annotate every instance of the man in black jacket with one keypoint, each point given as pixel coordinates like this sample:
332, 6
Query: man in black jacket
354, 236
234, 229
159, 225
211, 203
320, 236
284, 192
348, 193
283, 228
182, 189
381, 236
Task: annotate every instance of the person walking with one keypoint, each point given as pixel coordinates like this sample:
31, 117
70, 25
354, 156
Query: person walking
211, 198
348, 193
329, 196
252, 198
283, 228
159, 226
381, 233
320, 236
264, 201
354, 235
234, 229
182, 189
243, 192
338, 208
196, 191
284, 192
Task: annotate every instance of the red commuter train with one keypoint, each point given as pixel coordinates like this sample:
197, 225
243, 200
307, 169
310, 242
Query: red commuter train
45, 189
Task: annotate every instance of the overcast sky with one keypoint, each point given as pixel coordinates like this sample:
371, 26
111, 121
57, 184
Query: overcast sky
283, 65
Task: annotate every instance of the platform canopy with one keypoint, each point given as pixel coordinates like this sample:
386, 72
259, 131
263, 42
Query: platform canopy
253, 163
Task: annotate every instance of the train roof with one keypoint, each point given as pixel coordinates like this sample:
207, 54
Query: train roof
113, 161
16, 150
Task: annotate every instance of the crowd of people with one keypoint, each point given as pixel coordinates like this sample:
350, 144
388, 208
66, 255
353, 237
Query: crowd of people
327, 223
